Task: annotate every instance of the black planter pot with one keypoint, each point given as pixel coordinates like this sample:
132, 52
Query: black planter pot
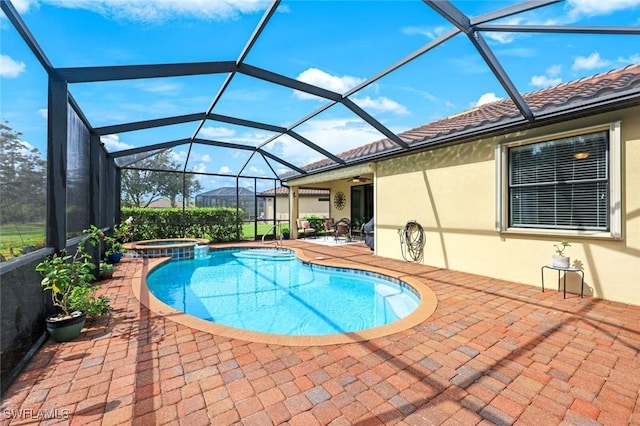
65, 329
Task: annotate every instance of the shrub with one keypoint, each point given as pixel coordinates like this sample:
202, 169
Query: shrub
215, 224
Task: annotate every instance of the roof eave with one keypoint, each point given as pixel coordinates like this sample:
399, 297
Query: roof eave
616, 101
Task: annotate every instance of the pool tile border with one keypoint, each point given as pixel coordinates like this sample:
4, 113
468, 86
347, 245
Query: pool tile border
426, 308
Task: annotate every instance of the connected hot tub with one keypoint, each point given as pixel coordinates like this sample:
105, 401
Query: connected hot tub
176, 248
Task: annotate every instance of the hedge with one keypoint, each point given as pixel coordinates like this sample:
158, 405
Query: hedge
215, 224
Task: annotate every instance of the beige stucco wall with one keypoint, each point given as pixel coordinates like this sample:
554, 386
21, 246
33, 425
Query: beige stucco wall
451, 193
309, 205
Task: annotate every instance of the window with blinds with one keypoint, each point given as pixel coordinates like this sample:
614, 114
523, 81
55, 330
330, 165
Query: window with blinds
560, 184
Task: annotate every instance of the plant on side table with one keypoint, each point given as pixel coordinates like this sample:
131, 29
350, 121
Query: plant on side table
560, 260
68, 277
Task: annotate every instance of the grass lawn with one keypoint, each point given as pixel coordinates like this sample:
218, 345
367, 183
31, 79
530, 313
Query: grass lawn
248, 229
15, 236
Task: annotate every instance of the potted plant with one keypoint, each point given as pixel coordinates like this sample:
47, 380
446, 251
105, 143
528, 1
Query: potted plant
560, 260
68, 277
106, 270
285, 233
122, 232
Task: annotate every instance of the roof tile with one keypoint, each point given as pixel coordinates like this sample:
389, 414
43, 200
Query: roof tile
564, 97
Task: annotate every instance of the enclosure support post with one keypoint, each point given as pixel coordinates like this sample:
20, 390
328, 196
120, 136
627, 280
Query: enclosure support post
114, 206
95, 212
58, 106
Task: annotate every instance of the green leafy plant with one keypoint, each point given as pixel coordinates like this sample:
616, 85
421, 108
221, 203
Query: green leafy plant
106, 267
122, 233
217, 224
561, 247
69, 278
315, 222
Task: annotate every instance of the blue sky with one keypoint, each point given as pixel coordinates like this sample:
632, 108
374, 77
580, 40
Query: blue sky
332, 44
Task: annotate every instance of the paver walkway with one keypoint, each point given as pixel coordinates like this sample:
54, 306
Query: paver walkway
494, 352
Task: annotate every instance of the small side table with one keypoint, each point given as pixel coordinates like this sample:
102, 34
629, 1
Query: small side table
564, 280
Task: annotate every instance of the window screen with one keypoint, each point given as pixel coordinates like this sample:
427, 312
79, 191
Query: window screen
560, 184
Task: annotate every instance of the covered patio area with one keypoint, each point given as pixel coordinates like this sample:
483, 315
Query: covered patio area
494, 352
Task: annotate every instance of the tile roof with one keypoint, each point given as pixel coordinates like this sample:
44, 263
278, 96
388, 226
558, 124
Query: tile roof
608, 88
226, 191
283, 190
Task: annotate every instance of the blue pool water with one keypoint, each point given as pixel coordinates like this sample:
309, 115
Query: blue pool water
271, 291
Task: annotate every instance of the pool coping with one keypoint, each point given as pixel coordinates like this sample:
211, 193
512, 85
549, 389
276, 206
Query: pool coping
426, 308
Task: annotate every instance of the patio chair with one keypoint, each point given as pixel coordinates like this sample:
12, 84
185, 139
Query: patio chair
329, 227
343, 228
304, 228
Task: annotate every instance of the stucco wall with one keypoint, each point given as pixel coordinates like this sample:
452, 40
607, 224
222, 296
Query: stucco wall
451, 192
309, 206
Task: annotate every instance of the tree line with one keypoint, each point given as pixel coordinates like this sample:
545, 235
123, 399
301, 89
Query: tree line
23, 178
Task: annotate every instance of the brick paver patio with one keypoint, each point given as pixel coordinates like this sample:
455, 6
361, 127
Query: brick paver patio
494, 352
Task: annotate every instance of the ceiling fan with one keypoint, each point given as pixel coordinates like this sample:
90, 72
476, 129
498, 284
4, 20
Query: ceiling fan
358, 179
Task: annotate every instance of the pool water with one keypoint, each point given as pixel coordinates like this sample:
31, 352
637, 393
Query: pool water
271, 291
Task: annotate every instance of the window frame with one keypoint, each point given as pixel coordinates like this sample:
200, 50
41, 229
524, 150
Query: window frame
615, 184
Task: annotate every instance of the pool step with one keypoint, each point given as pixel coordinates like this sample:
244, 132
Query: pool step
270, 254
401, 303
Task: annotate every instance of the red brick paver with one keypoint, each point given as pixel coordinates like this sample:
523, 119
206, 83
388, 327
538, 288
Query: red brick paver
494, 352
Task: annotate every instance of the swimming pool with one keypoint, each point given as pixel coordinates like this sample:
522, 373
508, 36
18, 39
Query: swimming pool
271, 291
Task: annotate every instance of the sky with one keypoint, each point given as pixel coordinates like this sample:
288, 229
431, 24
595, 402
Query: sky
332, 44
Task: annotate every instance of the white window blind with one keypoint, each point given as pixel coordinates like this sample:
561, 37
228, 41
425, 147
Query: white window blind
560, 184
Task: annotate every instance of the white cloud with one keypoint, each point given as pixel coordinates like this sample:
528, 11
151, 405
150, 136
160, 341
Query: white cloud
9, 68
381, 104
343, 84
503, 37
23, 6
335, 135
487, 98
554, 70
431, 33
198, 168
325, 80
216, 132
194, 157
256, 171
590, 62
599, 7
633, 59
158, 11
224, 170
549, 79
113, 143
544, 81
44, 113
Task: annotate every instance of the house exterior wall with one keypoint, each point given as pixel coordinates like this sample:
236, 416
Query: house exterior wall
308, 206
451, 192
